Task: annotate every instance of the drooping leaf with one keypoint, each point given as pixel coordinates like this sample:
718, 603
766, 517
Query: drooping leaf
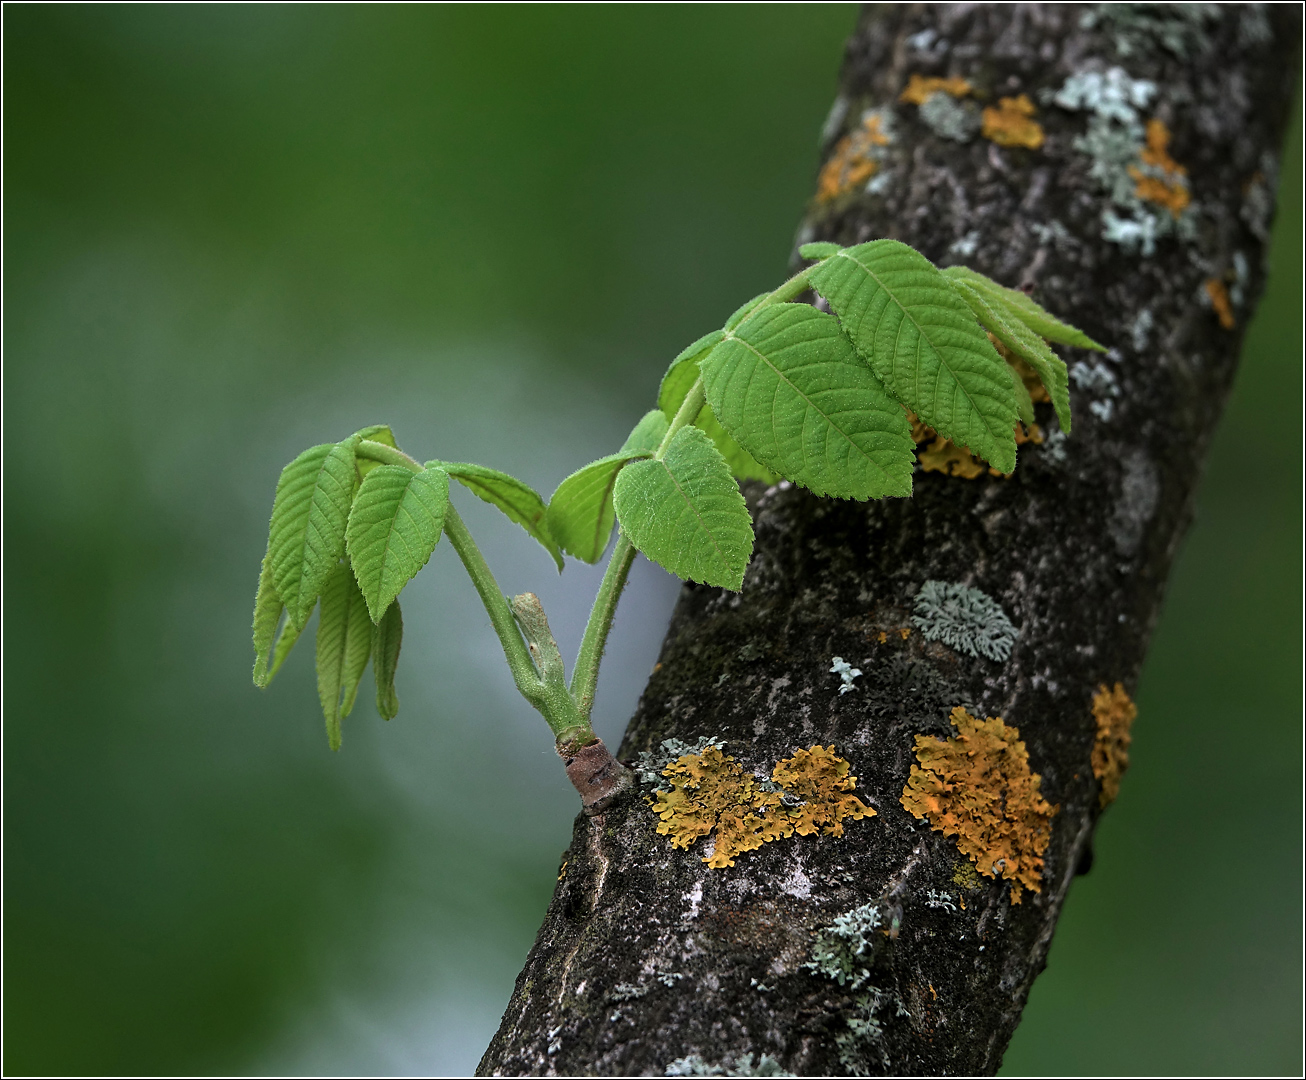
742, 311
380, 433
819, 249
518, 500
267, 617
1024, 403
647, 434
307, 533
387, 637
1026, 310
685, 512
921, 339
285, 642
393, 528
791, 391
742, 464
580, 511
999, 320
344, 643
682, 373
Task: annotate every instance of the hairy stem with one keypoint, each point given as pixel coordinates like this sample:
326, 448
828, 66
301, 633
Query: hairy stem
586, 676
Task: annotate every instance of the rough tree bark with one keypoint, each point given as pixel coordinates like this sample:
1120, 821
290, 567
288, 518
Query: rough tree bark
648, 959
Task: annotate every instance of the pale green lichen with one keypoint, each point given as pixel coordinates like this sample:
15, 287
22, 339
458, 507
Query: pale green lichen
963, 618
1129, 160
694, 1065
843, 949
950, 119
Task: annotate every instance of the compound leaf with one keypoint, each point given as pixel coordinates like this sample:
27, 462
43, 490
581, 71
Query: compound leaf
393, 528
921, 339
344, 643
685, 512
682, 373
791, 391
580, 511
387, 637
741, 462
647, 434
1026, 310
1000, 321
519, 501
307, 533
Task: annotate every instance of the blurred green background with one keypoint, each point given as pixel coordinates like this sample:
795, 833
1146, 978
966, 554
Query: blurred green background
235, 231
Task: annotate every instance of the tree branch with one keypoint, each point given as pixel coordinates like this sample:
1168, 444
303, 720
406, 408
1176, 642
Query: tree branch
648, 960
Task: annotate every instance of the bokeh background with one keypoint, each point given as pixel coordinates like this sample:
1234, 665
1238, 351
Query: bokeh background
231, 232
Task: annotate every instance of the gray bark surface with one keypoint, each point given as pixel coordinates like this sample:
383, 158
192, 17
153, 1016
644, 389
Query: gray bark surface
649, 960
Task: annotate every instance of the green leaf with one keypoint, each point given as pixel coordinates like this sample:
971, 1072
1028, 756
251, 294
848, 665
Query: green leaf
580, 511
387, 636
683, 372
1021, 340
268, 611
685, 512
393, 528
1024, 403
647, 434
285, 642
379, 433
267, 617
819, 249
742, 311
920, 338
742, 464
519, 501
1026, 310
307, 534
794, 395
344, 643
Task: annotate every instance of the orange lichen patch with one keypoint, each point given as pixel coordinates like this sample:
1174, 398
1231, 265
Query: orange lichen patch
903, 632
919, 87
710, 791
946, 457
977, 787
1157, 150
820, 778
920, 431
1114, 713
1220, 301
852, 162
1163, 182
1012, 123
1173, 196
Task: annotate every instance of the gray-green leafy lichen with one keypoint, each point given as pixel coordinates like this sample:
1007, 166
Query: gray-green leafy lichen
1138, 28
694, 1065
963, 618
844, 949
